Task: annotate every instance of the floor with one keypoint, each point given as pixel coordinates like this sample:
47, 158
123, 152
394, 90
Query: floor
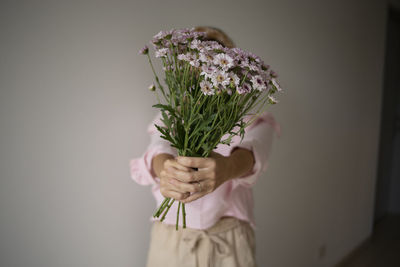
383, 249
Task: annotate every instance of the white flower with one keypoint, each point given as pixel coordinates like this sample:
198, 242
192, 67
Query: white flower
265, 75
161, 52
193, 60
159, 35
224, 61
168, 68
206, 57
207, 70
244, 64
220, 78
272, 99
244, 89
276, 84
197, 44
207, 88
258, 83
234, 78
213, 45
253, 66
195, 63
183, 57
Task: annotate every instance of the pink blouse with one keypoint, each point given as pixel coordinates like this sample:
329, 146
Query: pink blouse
232, 198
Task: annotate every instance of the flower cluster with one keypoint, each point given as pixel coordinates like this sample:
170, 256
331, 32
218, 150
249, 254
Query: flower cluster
221, 69
210, 90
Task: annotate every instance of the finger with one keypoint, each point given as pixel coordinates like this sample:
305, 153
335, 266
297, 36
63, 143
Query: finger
174, 164
167, 182
196, 162
170, 182
201, 175
183, 187
193, 197
175, 195
164, 184
183, 176
191, 176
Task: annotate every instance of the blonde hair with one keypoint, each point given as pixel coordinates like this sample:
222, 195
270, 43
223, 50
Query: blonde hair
215, 34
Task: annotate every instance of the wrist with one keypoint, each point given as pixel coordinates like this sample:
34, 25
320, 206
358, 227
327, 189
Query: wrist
241, 162
230, 163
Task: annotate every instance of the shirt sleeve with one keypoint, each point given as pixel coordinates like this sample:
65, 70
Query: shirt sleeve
258, 138
140, 168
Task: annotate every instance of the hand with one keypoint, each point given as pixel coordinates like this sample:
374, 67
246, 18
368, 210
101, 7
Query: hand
212, 172
175, 180
180, 181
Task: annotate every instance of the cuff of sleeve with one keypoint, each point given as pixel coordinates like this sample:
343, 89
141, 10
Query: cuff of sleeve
141, 169
260, 165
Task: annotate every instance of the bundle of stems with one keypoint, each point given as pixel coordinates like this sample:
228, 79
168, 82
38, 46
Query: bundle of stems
209, 91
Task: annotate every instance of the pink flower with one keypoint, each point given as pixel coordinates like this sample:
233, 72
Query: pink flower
207, 70
144, 50
258, 83
206, 57
183, 57
197, 44
244, 89
223, 60
161, 52
206, 87
220, 78
274, 74
276, 84
234, 79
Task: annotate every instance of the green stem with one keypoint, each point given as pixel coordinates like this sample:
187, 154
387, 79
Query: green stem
177, 215
184, 215
161, 208
156, 77
166, 211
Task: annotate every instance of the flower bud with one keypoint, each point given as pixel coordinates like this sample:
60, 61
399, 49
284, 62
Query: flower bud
272, 100
274, 74
144, 50
152, 87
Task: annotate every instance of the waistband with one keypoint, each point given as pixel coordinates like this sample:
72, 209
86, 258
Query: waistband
224, 224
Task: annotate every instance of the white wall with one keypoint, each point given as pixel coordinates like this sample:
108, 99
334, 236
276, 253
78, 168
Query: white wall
74, 107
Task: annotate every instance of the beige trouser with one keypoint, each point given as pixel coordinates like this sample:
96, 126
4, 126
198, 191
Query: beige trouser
229, 243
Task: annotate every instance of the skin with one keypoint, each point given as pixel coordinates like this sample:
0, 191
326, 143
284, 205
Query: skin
178, 179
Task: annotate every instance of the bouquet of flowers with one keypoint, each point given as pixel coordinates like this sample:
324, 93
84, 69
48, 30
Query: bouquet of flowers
207, 91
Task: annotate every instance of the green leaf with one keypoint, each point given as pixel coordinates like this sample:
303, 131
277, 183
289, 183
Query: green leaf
160, 129
165, 107
166, 120
205, 146
165, 134
227, 141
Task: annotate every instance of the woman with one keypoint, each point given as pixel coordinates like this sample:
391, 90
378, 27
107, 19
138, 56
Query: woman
218, 194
